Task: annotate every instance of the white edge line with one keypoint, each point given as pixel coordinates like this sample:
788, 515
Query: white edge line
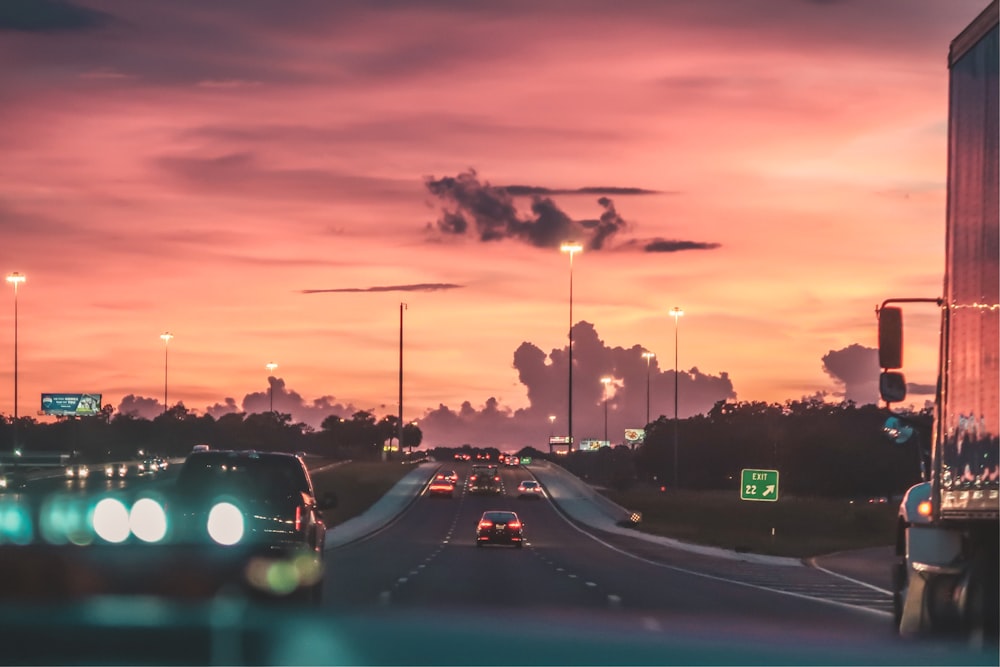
723, 579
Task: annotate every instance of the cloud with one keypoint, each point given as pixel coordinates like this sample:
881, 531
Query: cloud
546, 379
469, 204
525, 190
285, 401
919, 388
140, 407
662, 245
48, 16
856, 368
416, 287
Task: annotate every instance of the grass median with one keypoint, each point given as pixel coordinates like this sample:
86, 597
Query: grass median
791, 526
357, 485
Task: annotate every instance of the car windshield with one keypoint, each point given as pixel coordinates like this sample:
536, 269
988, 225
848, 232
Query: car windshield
638, 271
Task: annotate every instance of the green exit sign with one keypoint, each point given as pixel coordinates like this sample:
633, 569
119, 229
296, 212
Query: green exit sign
759, 485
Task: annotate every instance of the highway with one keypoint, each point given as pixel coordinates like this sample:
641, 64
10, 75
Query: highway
405, 583
427, 559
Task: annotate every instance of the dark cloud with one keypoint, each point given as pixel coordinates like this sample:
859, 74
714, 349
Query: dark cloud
48, 16
525, 190
140, 407
546, 377
856, 368
661, 245
417, 287
288, 402
922, 389
469, 204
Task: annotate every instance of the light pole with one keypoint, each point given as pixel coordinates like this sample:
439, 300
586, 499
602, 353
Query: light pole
552, 421
270, 385
571, 248
648, 356
606, 381
676, 313
15, 279
402, 307
166, 344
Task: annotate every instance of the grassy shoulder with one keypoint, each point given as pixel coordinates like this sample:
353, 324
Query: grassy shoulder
358, 485
796, 527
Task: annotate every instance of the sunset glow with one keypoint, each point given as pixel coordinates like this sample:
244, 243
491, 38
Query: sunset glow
269, 184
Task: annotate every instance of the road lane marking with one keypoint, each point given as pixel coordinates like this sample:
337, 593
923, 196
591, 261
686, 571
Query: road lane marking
614, 601
384, 597
704, 575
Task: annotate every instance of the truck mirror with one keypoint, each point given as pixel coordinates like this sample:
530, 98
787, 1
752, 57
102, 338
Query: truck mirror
890, 338
897, 430
892, 386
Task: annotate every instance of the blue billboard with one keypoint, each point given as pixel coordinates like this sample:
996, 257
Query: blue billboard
62, 405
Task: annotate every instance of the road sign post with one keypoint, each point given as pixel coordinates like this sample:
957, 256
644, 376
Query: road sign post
759, 485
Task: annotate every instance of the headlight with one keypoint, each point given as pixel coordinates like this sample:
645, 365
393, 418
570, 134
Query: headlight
111, 520
147, 520
225, 524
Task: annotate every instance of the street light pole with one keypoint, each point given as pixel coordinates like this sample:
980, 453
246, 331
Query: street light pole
648, 356
15, 279
166, 344
571, 248
606, 381
402, 307
676, 313
270, 385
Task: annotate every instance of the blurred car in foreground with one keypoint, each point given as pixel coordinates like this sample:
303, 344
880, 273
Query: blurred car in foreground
500, 527
441, 488
529, 488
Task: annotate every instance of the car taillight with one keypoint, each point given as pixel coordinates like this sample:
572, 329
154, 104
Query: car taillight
497, 478
514, 525
298, 518
485, 523
472, 478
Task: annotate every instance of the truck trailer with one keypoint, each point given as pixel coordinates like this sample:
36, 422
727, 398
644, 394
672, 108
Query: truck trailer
945, 579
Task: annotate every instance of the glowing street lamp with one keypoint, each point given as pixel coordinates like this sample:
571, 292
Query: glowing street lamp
648, 356
571, 248
676, 313
166, 343
15, 279
270, 385
605, 381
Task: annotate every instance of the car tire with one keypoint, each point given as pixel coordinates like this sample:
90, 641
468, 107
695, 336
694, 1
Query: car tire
520, 545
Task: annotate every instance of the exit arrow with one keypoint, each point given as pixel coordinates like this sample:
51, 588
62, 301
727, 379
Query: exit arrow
768, 490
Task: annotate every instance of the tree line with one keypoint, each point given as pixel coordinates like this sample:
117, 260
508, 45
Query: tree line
111, 436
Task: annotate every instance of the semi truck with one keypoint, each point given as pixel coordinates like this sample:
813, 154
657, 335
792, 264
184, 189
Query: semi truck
945, 578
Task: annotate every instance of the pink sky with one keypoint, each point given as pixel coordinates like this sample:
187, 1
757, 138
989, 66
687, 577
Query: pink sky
193, 167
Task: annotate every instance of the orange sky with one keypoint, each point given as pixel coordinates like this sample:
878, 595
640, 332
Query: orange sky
192, 169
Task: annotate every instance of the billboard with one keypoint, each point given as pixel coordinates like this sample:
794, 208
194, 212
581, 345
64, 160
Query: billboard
559, 440
633, 436
62, 405
593, 445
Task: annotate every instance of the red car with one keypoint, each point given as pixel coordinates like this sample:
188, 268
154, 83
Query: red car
441, 487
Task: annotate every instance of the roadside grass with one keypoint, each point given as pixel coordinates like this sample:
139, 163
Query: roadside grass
802, 527
357, 485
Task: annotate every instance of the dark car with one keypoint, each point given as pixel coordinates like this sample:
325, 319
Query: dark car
529, 488
500, 527
262, 502
484, 480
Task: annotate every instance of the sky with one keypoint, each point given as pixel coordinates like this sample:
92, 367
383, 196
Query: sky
269, 182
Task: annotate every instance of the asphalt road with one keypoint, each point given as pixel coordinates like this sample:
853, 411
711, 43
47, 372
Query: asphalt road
426, 560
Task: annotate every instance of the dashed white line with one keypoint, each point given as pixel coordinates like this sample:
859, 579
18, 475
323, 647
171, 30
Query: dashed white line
614, 601
591, 584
